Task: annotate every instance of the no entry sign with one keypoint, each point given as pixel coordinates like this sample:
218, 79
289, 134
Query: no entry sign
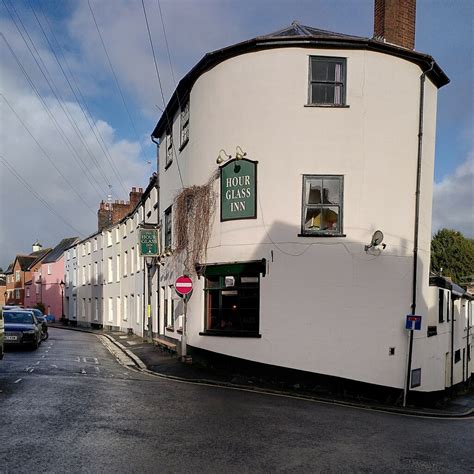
183, 285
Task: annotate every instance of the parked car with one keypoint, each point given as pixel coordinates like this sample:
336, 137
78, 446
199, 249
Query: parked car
22, 327
2, 336
43, 319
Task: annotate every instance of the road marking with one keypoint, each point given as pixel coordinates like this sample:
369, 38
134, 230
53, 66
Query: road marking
97, 369
54, 366
43, 357
19, 380
31, 370
37, 363
46, 351
83, 372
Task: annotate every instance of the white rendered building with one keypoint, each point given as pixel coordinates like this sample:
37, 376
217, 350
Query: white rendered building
106, 284
339, 138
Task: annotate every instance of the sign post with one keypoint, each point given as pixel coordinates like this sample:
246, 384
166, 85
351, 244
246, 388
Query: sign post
184, 287
149, 248
412, 323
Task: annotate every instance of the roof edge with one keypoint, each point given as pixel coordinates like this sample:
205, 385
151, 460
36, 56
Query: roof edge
212, 59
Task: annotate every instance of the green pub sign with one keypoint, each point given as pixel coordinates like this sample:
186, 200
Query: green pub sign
239, 190
149, 242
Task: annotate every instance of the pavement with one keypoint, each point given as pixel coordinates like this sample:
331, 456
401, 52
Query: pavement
151, 359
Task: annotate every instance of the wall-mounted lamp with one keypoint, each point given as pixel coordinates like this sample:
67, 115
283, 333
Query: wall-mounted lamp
377, 239
239, 153
222, 156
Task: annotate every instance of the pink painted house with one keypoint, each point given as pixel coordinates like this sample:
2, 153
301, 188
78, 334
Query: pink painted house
46, 283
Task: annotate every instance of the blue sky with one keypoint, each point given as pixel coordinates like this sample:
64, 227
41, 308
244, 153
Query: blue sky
444, 30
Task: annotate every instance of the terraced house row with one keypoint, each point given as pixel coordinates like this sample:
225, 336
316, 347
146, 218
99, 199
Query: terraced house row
104, 273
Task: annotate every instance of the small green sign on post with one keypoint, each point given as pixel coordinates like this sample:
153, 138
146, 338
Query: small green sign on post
149, 243
239, 190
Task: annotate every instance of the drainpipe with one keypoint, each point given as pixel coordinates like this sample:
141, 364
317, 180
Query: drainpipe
158, 266
417, 223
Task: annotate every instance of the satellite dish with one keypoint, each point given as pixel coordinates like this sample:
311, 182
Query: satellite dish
377, 238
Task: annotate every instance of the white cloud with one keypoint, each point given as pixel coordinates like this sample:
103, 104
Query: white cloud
453, 200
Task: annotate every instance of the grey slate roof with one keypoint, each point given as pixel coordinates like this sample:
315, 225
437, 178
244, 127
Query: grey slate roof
296, 29
58, 251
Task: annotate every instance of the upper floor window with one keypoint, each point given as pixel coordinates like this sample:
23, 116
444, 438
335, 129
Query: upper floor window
117, 234
322, 205
169, 148
109, 238
184, 125
17, 275
168, 228
88, 247
49, 269
327, 80
95, 244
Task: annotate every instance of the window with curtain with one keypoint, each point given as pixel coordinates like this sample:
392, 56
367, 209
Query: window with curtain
327, 78
322, 205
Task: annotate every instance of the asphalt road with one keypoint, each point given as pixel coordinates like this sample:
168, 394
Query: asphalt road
71, 406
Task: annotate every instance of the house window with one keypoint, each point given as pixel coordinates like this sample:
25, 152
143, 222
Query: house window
441, 306
95, 244
125, 258
83, 274
89, 278
168, 228
111, 309
109, 238
27, 292
119, 310
327, 78
125, 308
138, 310
117, 235
132, 260
17, 294
232, 299
88, 247
322, 205
49, 269
184, 125
96, 310
96, 273
110, 270
17, 274
457, 356
447, 307
118, 267
169, 149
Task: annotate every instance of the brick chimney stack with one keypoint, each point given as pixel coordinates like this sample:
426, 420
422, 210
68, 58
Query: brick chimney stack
394, 22
112, 212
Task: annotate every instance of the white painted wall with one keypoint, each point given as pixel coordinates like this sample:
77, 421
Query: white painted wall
326, 305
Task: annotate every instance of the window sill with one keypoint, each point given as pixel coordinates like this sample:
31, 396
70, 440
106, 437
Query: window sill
330, 106
179, 330
183, 145
321, 235
231, 334
167, 165
169, 328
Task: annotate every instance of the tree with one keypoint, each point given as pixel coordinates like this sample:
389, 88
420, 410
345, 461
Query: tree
452, 255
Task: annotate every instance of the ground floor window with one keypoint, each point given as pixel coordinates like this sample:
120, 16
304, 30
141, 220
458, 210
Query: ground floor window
232, 299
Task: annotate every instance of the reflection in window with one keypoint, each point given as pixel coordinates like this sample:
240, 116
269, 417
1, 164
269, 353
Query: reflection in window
322, 204
232, 304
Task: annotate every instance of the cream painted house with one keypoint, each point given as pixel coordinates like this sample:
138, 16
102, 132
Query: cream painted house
323, 131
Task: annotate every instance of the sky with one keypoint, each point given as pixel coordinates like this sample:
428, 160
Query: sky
78, 102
